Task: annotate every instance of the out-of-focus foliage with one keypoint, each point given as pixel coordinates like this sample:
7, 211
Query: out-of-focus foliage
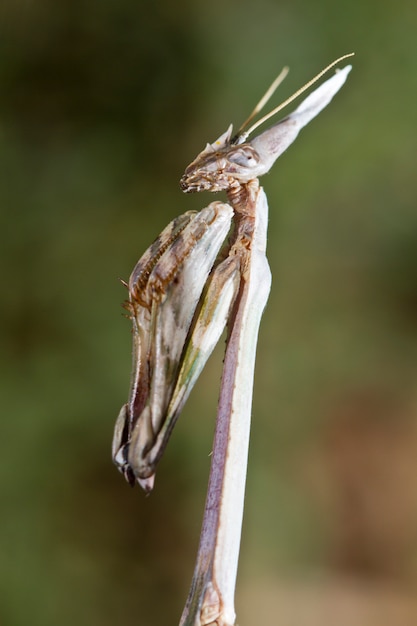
102, 105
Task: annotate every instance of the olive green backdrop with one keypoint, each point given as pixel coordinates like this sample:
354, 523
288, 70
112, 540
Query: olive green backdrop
103, 104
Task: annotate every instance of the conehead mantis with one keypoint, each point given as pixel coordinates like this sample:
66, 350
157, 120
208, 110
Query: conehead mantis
206, 270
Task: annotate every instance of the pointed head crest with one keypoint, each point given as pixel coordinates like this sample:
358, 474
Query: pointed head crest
222, 142
230, 160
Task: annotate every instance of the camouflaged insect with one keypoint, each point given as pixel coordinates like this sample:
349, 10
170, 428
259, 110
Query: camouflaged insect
181, 291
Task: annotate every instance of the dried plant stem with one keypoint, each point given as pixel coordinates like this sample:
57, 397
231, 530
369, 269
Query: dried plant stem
211, 598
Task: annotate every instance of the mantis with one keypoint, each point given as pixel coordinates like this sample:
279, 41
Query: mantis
208, 270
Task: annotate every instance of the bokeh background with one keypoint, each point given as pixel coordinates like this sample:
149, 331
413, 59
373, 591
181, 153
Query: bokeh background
103, 104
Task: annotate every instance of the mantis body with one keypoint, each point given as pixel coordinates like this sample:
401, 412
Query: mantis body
195, 278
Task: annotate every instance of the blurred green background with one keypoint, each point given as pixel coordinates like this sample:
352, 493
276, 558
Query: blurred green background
103, 104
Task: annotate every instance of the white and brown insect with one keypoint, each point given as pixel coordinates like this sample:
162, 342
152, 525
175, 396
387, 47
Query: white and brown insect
208, 269
183, 289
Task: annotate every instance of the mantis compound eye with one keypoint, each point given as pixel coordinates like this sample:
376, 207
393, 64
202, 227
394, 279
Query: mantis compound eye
245, 156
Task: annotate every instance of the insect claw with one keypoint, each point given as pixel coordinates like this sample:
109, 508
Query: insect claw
147, 483
129, 476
